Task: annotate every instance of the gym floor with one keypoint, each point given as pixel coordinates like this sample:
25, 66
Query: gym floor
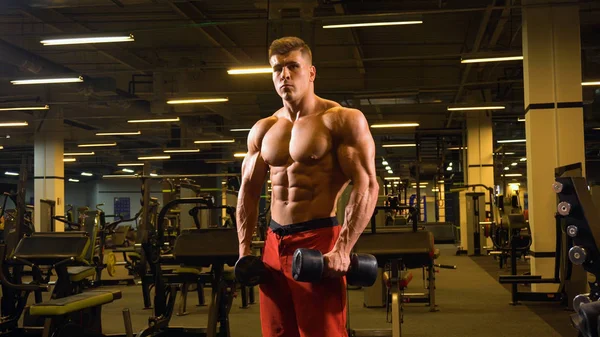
470, 302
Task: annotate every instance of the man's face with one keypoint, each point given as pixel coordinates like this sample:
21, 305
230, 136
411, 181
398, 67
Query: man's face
292, 75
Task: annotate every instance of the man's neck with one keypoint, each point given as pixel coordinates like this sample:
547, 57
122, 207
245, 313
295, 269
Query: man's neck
301, 108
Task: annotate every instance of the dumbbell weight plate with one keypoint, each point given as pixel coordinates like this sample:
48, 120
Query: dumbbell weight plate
249, 270
307, 265
111, 264
363, 270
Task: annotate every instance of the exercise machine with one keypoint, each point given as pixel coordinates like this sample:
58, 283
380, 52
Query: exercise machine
400, 250
66, 314
577, 209
194, 248
565, 277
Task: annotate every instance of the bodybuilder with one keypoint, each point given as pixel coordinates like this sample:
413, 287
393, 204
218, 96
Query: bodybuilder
313, 148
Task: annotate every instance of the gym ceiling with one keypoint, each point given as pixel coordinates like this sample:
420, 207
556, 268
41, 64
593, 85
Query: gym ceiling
183, 49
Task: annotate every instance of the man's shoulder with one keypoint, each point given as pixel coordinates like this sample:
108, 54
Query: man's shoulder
345, 116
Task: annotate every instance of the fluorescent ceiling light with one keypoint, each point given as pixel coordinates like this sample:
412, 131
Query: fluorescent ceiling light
523, 159
239, 155
73, 180
153, 174
26, 108
374, 24
590, 83
492, 59
388, 168
11, 173
79, 154
176, 119
513, 175
214, 141
86, 174
97, 145
48, 80
84, 40
394, 125
398, 145
154, 157
469, 108
506, 153
118, 175
239, 130
197, 100
514, 164
392, 178
133, 133
69, 160
9, 124
247, 71
131, 164
506, 168
182, 151
512, 141
520, 119
127, 170
457, 148
384, 162
390, 171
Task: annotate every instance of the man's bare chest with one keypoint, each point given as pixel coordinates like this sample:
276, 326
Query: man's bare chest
306, 142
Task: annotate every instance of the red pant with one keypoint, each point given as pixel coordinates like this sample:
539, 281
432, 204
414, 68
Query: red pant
297, 309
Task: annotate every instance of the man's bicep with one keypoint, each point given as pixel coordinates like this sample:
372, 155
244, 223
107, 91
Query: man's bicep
254, 172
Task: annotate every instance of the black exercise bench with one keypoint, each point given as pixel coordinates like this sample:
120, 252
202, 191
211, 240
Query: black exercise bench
197, 248
409, 249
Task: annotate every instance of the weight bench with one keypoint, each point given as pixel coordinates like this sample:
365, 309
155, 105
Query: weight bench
77, 274
410, 249
198, 248
58, 251
83, 308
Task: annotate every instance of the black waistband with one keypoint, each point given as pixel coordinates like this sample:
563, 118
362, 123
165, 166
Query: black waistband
302, 226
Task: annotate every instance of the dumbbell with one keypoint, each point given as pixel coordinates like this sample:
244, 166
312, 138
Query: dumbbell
249, 270
308, 265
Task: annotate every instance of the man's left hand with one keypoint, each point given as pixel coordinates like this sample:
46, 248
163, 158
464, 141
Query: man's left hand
336, 264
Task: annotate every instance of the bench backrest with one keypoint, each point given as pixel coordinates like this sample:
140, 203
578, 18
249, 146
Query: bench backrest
202, 247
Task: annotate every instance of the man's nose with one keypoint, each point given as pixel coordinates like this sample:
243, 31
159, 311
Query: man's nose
285, 73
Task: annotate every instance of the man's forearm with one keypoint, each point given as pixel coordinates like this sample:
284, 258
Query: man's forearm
362, 202
247, 217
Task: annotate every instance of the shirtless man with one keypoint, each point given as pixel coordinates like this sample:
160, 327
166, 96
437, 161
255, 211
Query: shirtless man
312, 148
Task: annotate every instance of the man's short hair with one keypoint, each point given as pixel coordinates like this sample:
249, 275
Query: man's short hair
288, 44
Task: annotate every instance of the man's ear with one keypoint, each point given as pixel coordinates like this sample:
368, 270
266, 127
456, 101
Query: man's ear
313, 73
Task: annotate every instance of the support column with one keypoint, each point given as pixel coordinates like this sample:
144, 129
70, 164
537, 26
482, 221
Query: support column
49, 172
554, 117
480, 160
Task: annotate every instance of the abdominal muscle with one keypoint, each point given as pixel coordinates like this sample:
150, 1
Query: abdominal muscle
302, 193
